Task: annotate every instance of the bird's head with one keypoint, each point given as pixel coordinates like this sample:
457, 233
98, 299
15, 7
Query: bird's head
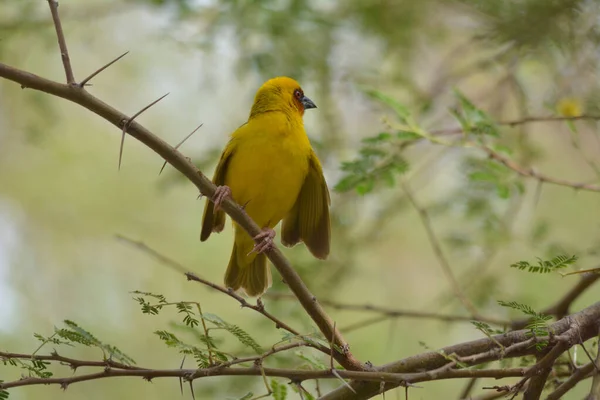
281, 94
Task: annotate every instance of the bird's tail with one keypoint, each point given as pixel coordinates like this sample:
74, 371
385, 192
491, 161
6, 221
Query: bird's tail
248, 272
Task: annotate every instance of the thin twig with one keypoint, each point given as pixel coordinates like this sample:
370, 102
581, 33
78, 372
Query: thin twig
295, 375
392, 312
561, 307
579, 375
595, 389
62, 43
193, 277
96, 72
204, 185
522, 121
528, 172
437, 249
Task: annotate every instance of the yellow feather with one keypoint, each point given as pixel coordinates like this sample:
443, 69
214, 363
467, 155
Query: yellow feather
272, 171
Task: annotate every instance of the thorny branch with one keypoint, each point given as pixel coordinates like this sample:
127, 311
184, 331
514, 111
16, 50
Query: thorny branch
530, 173
81, 96
443, 364
569, 331
259, 307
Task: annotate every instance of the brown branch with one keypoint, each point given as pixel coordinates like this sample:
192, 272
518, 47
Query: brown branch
530, 173
292, 374
62, 43
538, 374
439, 253
259, 307
595, 390
523, 121
578, 327
205, 186
579, 375
561, 308
391, 312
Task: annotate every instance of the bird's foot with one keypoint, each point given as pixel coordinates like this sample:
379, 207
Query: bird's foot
264, 241
221, 193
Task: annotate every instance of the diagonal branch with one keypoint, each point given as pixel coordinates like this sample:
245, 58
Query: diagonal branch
205, 186
561, 308
395, 313
62, 43
439, 253
514, 344
530, 173
259, 307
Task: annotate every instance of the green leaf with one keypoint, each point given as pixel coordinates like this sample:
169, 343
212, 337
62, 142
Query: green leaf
382, 137
546, 266
3, 393
188, 318
314, 363
537, 324
483, 176
408, 135
279, 391
503, 191
77, 334
242, 336
401, 111
472, 119
200, 355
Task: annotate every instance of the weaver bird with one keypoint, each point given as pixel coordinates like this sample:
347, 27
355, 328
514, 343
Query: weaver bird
270, 168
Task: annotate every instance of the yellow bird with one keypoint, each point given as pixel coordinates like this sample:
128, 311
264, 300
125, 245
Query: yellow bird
270, 168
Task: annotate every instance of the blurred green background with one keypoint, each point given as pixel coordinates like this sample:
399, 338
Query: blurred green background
62, 199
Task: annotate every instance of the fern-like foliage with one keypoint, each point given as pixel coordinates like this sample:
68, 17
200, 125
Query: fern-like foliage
538, 323
379, 161
278, 390
200, 355
77, 334
472, 119
3, 393
189, 316
546, 266
311, 362
147, 307
241, 335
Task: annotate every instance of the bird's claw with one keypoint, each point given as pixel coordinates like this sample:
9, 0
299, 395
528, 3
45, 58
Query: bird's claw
221, 193
264, 241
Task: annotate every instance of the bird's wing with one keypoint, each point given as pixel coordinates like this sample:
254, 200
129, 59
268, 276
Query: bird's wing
309, 219
211, 221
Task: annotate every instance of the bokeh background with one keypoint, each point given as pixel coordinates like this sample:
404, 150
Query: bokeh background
62, 199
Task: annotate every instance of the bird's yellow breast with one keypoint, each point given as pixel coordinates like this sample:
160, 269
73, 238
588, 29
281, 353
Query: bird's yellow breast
268, 166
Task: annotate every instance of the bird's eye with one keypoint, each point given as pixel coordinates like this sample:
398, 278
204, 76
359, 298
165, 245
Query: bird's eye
297, 94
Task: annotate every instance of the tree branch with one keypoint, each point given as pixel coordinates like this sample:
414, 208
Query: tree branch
62, 43
111, 370
205, 186
579, 375
439, 253
392, 312
561, 308
578, 327
530, 173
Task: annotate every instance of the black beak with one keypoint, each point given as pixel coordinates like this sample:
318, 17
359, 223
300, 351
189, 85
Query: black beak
307, 103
